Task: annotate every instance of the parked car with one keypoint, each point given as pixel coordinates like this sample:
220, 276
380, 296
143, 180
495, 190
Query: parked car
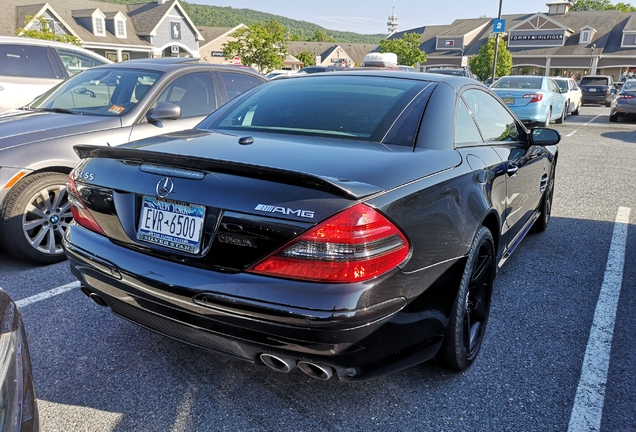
30, 67
453, 71
489, 81
106, 105
533, 99
597, 89
572, 94
18, 404
624, 104
349, 239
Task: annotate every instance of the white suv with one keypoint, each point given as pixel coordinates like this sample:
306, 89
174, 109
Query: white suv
573, 94
30, 67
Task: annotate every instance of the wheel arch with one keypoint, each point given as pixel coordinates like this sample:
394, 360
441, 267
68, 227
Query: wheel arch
492, 222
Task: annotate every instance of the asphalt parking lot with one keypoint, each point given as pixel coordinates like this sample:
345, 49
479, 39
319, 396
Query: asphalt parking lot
559, 353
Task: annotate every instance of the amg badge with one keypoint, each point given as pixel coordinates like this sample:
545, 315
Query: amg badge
286, 211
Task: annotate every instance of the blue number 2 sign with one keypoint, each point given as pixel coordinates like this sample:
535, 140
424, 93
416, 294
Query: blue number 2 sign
498, 26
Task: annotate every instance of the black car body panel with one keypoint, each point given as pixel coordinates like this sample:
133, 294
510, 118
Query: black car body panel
18, 403
262, 190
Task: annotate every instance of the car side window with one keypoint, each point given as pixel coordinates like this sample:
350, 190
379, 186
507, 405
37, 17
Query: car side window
193, 92
494, 121
466, 131
76, 62
25, 61
237, 83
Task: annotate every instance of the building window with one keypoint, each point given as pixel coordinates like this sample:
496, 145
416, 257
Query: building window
121, 29
585, 36
99, 27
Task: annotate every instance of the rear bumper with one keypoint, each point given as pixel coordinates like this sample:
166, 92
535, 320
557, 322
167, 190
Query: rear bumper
373, 338
600, 98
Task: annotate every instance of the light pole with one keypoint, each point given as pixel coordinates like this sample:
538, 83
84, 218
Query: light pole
592, 57
494, 63
461, 58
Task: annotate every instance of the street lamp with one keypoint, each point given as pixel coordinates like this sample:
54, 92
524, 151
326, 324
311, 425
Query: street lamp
592, 57
494, 63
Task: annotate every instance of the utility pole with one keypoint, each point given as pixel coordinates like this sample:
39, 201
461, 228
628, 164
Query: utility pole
494, 64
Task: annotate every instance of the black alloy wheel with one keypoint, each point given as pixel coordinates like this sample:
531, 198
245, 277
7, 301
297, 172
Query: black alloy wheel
34, 218
467, 324
545, 207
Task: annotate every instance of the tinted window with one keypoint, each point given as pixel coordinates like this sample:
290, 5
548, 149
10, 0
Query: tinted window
466, 131
25, 61
193, 92
76, 62
495, 122
350, 107
237, 83
594, 81
562, 84
519, 82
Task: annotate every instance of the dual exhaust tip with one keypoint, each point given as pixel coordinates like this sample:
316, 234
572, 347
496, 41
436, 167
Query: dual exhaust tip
286, 364
278, 363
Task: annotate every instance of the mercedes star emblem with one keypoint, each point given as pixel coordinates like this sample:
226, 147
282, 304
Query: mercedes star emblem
164, 187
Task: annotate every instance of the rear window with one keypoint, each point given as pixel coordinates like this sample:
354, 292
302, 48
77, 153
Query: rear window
594, 81
562, 84
25, 61
453, 72
519, 82
362, 108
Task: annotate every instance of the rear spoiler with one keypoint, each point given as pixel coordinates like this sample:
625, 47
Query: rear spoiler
341, 187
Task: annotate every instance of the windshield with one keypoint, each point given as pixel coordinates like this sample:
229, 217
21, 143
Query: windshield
102, 91
519, 82
361, 108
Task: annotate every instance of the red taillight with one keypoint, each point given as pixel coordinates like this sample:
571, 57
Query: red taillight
534, 97
626, 96
355, 245
80, 213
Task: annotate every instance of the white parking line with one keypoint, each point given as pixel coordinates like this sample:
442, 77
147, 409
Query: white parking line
47, 294
590, 394
585, 124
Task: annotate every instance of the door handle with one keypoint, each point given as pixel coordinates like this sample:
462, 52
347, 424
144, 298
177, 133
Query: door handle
512, 170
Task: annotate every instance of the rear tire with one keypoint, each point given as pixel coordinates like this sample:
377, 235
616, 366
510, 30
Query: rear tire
613, 118
577, 110
34, 218
547, 118
545, 207
469, 316
562, 118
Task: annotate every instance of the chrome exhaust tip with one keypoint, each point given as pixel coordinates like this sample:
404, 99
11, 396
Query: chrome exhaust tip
317, 371
98, 299
278, 363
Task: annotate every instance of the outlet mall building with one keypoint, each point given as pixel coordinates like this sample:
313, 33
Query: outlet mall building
557, 43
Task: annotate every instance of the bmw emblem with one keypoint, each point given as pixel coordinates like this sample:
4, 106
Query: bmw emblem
164, 187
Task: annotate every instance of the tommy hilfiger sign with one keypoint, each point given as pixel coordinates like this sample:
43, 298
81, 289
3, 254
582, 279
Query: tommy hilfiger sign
536, 37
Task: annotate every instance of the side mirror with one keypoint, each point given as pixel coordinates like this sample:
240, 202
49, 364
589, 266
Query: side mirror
545, 136
562, 90
164, 111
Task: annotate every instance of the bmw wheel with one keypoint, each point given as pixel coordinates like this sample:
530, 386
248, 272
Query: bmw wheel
470, 312
35, 217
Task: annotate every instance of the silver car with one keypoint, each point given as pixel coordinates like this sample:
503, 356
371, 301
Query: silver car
105, 105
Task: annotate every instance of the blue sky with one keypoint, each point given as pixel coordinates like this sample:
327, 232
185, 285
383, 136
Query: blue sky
370, 16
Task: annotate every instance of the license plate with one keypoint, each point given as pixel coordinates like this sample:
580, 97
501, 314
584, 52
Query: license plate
508, 100
171, 224
592, 90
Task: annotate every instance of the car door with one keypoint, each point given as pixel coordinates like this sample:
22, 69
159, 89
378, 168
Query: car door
196, 95
522, 163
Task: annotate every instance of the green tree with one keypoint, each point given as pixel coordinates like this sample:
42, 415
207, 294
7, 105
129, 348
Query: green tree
45, 32
261, 45
407, 48
481, 64
596, 5
307, 58
321, 35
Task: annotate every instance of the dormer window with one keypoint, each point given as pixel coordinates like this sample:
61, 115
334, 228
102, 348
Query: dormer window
98, 26
585, 36
120, 29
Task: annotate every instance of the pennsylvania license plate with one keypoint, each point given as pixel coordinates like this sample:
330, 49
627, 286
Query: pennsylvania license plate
508, 100
171, 224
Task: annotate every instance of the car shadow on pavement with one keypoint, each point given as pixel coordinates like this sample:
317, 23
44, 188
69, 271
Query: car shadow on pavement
624, 136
